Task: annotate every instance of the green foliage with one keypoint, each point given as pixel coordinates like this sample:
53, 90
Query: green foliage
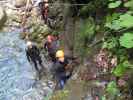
126, 40
38, 32
123, 21
88, 29
85, 36
103, 98
129, 4
111, 21
120, 21
112, 88
60, 95
85, 9
126, 20
111, 43
91, 8
114, 4
121, 68
111, 17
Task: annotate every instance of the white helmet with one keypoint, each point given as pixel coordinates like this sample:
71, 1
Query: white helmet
29, 43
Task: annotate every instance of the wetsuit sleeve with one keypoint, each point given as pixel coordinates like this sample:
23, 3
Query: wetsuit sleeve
27, 55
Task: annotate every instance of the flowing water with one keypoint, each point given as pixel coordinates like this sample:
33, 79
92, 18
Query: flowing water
17, 76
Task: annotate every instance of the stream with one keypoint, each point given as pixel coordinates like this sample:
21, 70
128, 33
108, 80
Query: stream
17, 76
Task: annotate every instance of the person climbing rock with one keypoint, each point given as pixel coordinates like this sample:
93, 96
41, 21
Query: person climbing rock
46, 6
51, 45
44, 10
33, 55
60, 69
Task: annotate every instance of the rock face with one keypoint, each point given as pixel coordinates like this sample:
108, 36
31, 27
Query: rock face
2, 17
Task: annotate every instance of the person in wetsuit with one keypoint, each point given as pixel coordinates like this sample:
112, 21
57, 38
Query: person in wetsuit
33, 55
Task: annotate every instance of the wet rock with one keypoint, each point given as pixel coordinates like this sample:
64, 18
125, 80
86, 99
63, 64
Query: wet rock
20, 3
24, 84
1, 13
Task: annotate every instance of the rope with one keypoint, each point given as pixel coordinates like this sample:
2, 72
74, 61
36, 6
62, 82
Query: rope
63, 4
3, 1
70, 4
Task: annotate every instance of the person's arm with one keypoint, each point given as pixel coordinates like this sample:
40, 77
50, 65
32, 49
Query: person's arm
71, 62
45, 46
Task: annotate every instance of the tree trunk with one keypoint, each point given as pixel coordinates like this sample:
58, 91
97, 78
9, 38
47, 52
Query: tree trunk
68, 33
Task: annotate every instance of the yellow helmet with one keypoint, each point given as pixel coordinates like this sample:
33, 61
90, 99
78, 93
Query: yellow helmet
60, 53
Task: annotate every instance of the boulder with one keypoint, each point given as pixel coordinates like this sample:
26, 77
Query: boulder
2, 17
1, 13
20, 3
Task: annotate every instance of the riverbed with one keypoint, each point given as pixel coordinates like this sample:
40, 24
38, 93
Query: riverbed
17, 75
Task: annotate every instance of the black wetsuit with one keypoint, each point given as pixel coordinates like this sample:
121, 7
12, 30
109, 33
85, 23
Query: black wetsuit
33, 54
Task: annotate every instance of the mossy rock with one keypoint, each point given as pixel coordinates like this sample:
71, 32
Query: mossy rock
60, 95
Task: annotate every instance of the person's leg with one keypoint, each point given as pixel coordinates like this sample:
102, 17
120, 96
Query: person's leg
35, 64
46, 15
62, 80
61, 84
42, 71
45, 19
40, 61
52, 56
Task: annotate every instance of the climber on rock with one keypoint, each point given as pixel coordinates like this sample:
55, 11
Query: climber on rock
51, 46
33, 55
44, 10
60, 69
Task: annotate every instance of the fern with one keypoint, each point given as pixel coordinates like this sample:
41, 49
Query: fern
114, 4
